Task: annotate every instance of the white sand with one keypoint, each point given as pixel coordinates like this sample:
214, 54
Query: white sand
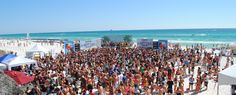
21, 46
12, 45
212, 85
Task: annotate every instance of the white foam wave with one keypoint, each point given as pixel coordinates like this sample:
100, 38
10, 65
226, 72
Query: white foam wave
181, 41
203, 42
200, 34
182, 35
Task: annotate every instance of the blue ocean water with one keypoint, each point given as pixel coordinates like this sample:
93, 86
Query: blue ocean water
207, 36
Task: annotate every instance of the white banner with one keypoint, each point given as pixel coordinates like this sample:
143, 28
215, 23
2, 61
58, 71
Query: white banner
145, 43
90, 44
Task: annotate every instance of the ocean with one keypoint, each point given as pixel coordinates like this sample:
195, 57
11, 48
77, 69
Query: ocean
182, 36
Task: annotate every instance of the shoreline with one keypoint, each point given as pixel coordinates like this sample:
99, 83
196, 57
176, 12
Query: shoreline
22, 45
213, 29
55, 46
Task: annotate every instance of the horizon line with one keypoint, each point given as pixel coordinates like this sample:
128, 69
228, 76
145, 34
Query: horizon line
112, 30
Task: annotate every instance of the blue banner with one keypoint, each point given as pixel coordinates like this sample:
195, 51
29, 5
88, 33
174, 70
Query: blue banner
162, 44
68, 46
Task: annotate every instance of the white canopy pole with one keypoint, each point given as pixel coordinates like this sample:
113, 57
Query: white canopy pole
218, 89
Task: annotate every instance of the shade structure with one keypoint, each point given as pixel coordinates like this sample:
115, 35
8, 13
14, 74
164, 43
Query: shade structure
6, 58
37, 48
20, 77
228, 76
18, 61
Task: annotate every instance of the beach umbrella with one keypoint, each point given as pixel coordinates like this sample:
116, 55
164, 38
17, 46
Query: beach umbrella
6, 57
20, 77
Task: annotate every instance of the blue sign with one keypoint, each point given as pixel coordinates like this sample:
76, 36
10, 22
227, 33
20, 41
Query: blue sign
162, 44
68, 46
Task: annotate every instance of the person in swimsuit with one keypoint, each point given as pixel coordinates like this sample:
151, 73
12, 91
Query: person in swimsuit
191, 82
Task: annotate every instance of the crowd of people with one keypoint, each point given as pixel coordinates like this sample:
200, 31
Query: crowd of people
124, 71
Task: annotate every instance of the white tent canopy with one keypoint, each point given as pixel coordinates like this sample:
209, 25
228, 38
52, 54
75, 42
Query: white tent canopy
228, 76
37, 48
18, 61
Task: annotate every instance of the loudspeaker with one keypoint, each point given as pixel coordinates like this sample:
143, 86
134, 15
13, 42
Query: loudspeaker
77, 47
233, 89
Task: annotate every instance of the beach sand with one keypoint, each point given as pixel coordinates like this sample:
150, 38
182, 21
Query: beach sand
212, 85
21, 46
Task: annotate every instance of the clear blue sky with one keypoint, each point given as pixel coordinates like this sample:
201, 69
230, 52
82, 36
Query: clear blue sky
17, 16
